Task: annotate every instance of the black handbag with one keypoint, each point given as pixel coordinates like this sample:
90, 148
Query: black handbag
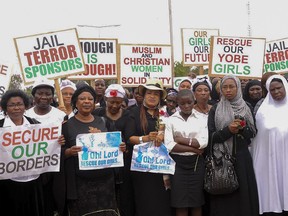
220, 176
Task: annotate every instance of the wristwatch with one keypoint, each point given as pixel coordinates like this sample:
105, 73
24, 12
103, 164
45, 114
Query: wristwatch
141, 139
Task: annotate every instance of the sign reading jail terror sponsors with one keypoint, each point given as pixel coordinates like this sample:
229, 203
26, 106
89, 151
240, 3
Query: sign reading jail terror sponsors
141, 62
147, 157
276, 56
196, 45
100, 56
29, 150
100, 150
5, 76
51, 55
239, 56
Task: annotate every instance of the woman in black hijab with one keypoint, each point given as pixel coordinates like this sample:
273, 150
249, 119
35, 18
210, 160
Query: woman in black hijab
252, 92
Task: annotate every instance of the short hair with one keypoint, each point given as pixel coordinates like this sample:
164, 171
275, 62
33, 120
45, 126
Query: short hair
83, 88
184, 93
14, 93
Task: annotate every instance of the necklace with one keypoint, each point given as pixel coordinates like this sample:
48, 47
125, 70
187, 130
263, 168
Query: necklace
206, 111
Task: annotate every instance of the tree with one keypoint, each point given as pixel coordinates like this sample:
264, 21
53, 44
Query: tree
15, 82
180, 70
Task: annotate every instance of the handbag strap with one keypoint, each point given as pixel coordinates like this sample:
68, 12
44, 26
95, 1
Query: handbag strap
233, 147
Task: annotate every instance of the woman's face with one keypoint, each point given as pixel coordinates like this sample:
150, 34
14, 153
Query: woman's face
67, 95
277, 90
185, 85
202, 93
114, 104
229, 89
43, 97
255, 92
15, 107
186, 104
152, 98
100, 87
85, 103
171, 102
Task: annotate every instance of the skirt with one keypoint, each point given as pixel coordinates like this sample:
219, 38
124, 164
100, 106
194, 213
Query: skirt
187, 182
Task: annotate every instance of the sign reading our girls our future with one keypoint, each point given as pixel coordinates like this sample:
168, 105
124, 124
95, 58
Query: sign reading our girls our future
196, 45
138, 63
276, 56
100, 56
51, 55
239, 56
29, 150
100, 150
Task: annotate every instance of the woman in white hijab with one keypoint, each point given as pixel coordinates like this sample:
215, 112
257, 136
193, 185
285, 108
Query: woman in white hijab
270, 148
224, 122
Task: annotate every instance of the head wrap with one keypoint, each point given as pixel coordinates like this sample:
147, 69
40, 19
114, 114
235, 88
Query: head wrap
115, 90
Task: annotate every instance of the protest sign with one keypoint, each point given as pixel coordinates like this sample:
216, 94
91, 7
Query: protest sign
100, 56
147, 157
51, 55
99, 150
29, 150
239, 56
276, 56
141, 62
196, 45
5, 76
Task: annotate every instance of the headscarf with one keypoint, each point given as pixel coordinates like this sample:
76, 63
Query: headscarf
227, 109
246, 95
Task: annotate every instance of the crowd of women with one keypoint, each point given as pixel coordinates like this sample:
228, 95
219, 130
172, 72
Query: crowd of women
193, 113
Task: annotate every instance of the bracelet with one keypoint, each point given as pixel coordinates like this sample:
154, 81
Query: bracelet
190, 142
141, 139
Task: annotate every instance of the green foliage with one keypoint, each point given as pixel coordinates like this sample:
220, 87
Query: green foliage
15, 82
180, 70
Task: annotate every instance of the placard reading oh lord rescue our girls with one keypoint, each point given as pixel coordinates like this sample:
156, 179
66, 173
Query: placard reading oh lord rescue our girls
147, 157
239, 56
51, 55
99, 150
141, 62
29, 150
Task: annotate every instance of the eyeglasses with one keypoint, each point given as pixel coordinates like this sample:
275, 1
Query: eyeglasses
19, 105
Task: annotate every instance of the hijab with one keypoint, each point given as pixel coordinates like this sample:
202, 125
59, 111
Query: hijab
246, 95
227, 109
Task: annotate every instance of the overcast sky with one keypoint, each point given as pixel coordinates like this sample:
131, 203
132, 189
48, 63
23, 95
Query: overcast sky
141, 22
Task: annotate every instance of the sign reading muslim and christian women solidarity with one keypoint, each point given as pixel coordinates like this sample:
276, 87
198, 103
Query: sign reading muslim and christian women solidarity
147, 157
5, 76
196, 45
239, 56
100, 56
276, 56
100, 150
29, 150
51, 55
141, 62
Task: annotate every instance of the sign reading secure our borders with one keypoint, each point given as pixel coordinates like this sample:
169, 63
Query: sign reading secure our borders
29, 150
99, 150
140, 62
100, 56
147, 157
196, 45
51, 55
276, 56
239, 56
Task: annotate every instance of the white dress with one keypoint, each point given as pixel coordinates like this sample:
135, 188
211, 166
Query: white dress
269, 150
55, 115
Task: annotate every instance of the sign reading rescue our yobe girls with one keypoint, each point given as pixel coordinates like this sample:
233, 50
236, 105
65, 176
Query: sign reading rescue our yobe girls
138, 63
239, 56
276, 56
100, 56
51, 55
196, 45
